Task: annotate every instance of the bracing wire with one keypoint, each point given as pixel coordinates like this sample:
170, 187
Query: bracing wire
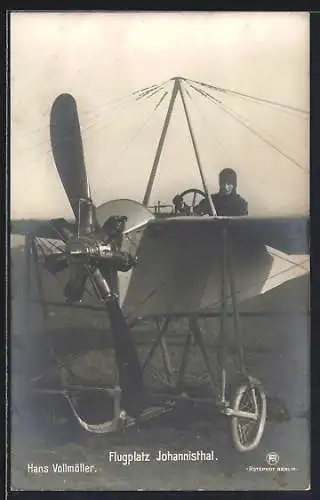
247, 96
120, 104
136, 134
143, 126
101, 117
112, 102
162, 283
275, 253
266, 134
205, 121
204, 94
132, 99
132, 94
162, 98
149, 93
258, 283
129, 100
98, 126
243, 122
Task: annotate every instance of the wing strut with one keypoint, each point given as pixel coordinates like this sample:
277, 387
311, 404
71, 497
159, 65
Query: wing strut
161, 143
177, 88
205, 186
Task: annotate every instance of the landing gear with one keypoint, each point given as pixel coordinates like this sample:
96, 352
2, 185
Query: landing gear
248, 415
172, 378
248, 405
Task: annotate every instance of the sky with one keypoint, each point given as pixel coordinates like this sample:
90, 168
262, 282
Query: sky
102, 57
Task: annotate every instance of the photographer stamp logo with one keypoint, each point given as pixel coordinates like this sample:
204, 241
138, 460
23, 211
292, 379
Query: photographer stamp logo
272, 458
272, 465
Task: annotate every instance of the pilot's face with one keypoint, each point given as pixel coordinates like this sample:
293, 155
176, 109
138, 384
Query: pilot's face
226, 187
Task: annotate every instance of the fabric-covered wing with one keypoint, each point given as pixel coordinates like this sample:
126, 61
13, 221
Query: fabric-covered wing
37, 227
179, 269
287, 234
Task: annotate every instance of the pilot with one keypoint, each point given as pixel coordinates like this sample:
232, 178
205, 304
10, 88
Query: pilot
227, 201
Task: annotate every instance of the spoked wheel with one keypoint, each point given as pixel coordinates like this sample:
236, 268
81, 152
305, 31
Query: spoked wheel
249, 413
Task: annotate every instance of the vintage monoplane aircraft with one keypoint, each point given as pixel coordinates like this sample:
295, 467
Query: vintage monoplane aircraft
141, 265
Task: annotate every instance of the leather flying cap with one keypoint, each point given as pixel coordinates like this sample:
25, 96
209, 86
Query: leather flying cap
228, 175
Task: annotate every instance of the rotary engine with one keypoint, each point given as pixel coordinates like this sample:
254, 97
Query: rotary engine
97, 256
94, 251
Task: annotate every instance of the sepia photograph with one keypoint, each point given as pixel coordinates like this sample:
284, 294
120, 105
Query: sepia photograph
159, 246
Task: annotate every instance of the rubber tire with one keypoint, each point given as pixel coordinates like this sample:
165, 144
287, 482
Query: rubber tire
263, 416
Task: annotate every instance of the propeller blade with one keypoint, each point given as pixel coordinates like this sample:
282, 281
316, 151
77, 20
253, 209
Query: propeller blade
110, 275
129, 368
55, 263
75, 287
67, 150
